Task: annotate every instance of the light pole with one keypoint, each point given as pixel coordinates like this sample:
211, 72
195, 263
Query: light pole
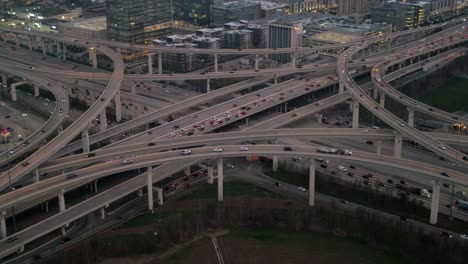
5, 133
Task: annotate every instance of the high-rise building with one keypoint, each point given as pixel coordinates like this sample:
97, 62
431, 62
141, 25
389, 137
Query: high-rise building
138, 21
284, 36
234, 11
356, 7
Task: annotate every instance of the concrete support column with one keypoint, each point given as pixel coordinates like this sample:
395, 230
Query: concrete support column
382, 100
36, 90
355, 114
410, 117
435, 202
160, 196
118, 107
4, 79
14, 98
216, 62
256, 62
275, 163
64, 49
150, 63
103, 213
36, 175
374, 93
103, 120
341, 87
93, 56
312, 182
17, 40
44, 50
379, 147
275, 79
160, 69
210, 175
149, 183
95, 186
58, 47
208, 86
140, 192
85, 140
3, 229
61, 200
398, 145
220, 179
187, 171
30, 44
294, 55
20, 249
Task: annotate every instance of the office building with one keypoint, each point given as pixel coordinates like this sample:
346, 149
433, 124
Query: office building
356, 7
138, 21
197, 12
234, 11
284, 36
91, 28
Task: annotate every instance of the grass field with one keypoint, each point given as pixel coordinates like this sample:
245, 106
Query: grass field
231, 189
271, 246
451, 96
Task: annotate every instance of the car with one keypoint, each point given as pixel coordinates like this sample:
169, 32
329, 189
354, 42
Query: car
12, 238
450, 206
445, 234
367, 177
446, 185
350, 174
25, 164
465, 158
25, 143
186, 152
333, 172
323, 166
12, 151
229, 165
71, 175
404, 218
91, 154
277, 184
365, 131
366, 182
463, 236
65, 239
444, 174
127, 161
370, 142
243, 148
342, 168
402, 124
36, 257
103, 99
42, 131
287, 149
352, 167
390, 181
302, 189
217, 150
442, 147
117, 218
404, 182
60, 110
151, 144
193, 116
344, 201
186, 185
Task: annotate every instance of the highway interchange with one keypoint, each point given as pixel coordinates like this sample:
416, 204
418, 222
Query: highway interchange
158, 150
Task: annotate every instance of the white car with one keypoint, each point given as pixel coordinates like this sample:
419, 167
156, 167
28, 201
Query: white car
218, 150
302, 189
402, 124
127, 161
186, 152
442, 147
229, 165
342, 168
243, 148
365, 131
463, 236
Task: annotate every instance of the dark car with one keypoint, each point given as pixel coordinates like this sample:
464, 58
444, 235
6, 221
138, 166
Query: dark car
445, 234
444, 174
277, 184
287, 149
12, 238
404, 182
367, 177
447, 185
323, 166
366, 182
151, 144
352, 167
390, 181
350, 174
36, 257
91, 154
65, 239
404, 218
117, 218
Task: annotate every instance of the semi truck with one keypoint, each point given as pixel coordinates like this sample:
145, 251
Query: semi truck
462, 204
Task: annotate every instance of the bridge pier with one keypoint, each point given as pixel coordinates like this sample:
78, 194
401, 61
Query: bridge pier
58, 47
44, 49
36, 90
275, 78
374, 93
4, 79
36, 175
435, 202
20, 249
93, 56
187, 171
149, 186
150, 63
140, 192
382, 100
85, 140
17, 40
210, 174
208, 86
355, 113
220, 179
30, 44
379, 147
3, 229
103, 213
294, 55
215, 62
118, 107
103, 120
14, 97
160, 196
398, 146
61, 200
340, 87
160, 69
312, 182
64, 49
410, 117
256, 62
275, 163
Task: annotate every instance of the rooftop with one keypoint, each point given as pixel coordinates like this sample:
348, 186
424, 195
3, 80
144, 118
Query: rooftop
95, 23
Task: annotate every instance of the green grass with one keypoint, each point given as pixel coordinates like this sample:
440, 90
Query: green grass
181, 254
451, 96
144, 219
324, 246
231, 189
